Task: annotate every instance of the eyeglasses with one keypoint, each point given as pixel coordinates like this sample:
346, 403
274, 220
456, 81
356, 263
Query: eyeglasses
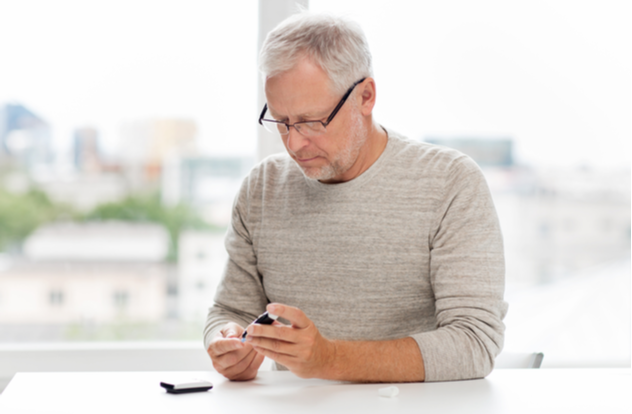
306, 128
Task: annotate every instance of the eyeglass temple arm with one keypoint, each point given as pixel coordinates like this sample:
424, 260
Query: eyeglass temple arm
342, 101
265, 108
334, 112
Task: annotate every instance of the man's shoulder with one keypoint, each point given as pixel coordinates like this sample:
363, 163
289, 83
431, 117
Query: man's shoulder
275, 164
428, 158
273, 169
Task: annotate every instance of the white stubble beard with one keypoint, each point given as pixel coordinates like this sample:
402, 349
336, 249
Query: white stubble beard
347, 157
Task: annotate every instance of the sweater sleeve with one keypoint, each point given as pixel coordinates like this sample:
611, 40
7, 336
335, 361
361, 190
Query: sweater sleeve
240, 296
467, 273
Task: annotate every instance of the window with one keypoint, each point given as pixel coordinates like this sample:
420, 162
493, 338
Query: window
121, 299
135, 137
56, 298
131, 134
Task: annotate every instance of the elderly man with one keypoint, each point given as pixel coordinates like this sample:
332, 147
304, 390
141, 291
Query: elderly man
381, 256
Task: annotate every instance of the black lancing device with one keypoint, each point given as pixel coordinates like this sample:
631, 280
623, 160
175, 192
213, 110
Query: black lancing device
264, 319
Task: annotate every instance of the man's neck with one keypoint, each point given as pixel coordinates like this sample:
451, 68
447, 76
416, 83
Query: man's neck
374, 147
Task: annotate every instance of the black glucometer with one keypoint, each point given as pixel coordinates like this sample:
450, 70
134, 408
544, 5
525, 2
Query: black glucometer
183, 387
264, 319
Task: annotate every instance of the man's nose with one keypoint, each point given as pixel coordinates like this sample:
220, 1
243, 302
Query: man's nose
295, 140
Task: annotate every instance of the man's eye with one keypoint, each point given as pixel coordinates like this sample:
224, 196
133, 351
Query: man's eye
316, 126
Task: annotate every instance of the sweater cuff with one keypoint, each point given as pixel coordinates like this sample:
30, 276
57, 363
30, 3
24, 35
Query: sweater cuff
448, 355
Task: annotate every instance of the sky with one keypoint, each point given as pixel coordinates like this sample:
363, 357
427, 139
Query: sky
553, 76
102, 63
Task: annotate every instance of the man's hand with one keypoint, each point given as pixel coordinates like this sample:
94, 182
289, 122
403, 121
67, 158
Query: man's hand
300, 347
231, 358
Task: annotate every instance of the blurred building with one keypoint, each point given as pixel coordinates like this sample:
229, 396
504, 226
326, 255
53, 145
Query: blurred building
201, 261
207, 183
82, 191
25, 138
86, 154
92, 272
148, 143
496, 152
113, 241
557, 223
91, 182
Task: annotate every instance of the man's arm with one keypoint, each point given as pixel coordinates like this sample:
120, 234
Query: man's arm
467, 275
467, 278
397, 360
240, 296
305, 352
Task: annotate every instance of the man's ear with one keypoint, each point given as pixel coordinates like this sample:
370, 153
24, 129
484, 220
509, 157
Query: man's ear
367, 96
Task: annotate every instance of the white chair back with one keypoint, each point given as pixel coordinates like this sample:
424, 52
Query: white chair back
508, 360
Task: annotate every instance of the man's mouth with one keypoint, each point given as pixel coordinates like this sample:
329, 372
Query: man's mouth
306, 159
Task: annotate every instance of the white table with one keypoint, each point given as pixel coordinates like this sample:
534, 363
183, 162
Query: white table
503, 391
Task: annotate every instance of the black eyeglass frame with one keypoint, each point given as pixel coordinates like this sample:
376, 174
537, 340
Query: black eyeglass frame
329, 118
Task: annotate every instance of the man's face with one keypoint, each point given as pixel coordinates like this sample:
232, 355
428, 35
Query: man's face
303, 94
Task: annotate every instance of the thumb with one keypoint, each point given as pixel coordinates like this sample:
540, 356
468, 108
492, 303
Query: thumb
230, 333
231, 330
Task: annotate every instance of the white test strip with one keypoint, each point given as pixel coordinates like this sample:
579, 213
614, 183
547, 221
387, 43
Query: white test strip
388, 392
192, 384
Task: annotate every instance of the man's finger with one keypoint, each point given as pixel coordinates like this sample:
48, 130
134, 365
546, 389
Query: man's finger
230, 333
256, 363
221, 346
282, 359
235, 367
230, 359
294, 315
253, 368
280, 332
279, 347
231, 330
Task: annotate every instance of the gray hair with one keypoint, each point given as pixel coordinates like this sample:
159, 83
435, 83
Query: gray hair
336, 44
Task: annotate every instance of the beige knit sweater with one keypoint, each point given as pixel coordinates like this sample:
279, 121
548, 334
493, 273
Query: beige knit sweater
412, 247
